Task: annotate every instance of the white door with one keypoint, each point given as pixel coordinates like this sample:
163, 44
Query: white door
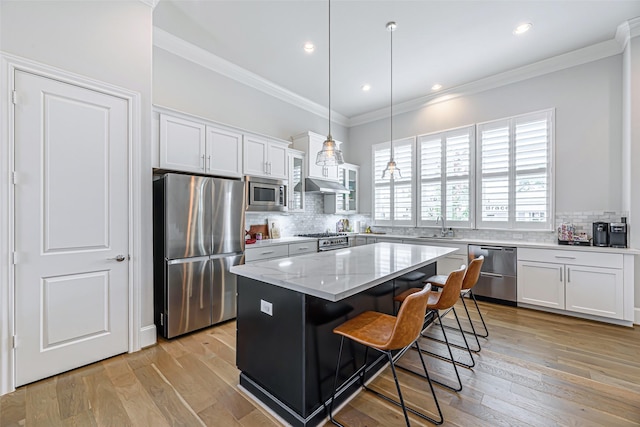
71, 223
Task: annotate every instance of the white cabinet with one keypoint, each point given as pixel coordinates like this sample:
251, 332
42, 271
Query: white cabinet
348, 175
311, 143
583, 282
295, 189
265, 157
450, 262
265, 251
194, 146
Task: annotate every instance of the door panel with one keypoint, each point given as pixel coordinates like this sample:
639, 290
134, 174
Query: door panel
71, 221
224, 288
188, 296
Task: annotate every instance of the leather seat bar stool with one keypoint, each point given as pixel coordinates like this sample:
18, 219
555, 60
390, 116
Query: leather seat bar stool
437, 302
470, 279
409, 280
386, 334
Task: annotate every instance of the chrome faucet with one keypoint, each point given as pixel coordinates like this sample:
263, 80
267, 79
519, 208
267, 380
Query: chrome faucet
443, 230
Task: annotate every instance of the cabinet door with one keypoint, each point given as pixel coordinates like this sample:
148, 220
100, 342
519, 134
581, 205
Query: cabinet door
360, 241
182, 144
255, 156
594, 290
447, 264
277, 161
541, 284
296, 182
351, 182
224, 152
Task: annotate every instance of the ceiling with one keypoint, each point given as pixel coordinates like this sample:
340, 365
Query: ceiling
447, 42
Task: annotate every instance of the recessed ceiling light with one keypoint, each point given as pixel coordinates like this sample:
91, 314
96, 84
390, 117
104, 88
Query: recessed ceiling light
366, 87
309, 47
522, 28
436, 86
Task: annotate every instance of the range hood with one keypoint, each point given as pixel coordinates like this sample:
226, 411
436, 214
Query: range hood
314, 185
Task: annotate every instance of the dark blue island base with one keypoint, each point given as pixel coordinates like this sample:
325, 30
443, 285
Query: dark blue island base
288, 358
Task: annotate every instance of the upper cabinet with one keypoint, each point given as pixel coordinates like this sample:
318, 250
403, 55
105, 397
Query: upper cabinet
344, 203
296, 181
265, 157
311, 143
195, 146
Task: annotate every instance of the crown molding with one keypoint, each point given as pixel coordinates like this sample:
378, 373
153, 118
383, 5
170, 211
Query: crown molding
546, 66
177, 46
151, 3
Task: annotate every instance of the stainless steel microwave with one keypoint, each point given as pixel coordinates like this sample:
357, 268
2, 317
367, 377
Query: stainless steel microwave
264, 194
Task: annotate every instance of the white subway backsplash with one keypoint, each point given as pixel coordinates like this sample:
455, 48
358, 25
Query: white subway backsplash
314, 220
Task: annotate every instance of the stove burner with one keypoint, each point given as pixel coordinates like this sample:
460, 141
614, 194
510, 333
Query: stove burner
322, 235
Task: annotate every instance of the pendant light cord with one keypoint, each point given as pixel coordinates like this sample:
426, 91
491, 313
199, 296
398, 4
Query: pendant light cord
330, 137
391, 93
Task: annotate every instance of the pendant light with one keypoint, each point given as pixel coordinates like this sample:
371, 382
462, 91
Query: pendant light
330, 155
392, 169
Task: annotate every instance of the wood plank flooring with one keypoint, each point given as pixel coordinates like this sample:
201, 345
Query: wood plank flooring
535, 369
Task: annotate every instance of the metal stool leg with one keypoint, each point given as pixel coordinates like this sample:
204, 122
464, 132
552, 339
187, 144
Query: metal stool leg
335, 386
484, 325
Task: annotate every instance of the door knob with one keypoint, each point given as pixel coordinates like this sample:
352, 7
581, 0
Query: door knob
119, 258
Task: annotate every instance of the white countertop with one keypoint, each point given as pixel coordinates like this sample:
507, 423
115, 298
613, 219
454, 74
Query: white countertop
335, 275
516, 243
281, 241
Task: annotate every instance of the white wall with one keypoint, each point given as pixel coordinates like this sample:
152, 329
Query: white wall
110, 41
588, 102
185, 86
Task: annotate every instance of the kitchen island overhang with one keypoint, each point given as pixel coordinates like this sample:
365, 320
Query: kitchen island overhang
287, 309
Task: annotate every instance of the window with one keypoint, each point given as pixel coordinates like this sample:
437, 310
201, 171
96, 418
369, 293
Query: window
393, 200
514, 185
445, 171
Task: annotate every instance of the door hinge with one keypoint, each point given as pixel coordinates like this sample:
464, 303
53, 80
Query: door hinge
14, 97
14, 342
14, 177
14, 258
161, 319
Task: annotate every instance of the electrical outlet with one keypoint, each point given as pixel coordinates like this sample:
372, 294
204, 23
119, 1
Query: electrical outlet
266, 307
517, 236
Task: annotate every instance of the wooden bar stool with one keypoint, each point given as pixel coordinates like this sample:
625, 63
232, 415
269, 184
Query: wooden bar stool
437, 302
470, 279
386, 333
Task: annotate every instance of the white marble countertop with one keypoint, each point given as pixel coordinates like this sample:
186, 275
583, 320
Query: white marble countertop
335, 275
281, 241
516, 243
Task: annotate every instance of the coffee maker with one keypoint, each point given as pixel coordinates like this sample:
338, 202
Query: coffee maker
618, 234
600, 234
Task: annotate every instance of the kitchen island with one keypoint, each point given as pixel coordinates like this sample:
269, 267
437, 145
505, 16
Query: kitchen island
287, 309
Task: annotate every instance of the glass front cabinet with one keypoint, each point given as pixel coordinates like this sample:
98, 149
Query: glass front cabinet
296, 181
345, 203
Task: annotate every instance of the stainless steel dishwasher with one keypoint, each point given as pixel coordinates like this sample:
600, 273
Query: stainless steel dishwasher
497, 280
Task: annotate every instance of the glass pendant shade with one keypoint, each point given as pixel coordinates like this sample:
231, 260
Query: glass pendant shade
392, 170
329, 155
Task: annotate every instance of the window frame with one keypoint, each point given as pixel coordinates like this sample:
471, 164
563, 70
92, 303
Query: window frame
393, 222
443, 135
512, 223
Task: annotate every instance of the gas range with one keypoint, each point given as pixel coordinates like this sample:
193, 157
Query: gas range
329, 241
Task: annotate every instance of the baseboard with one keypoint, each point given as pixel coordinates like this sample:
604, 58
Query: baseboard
636, 316
148, 336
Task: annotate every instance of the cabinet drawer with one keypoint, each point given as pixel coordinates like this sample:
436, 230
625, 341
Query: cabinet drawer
302, 248
593, 259
267, 252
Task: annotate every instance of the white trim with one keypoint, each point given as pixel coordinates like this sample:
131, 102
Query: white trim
147, 336
9, 64
177, 46
151, 3
636, 318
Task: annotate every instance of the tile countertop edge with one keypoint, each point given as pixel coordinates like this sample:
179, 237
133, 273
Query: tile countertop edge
516, 243
268, 272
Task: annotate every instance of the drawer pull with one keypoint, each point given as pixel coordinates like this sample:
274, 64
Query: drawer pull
303, 248
568, 275
561, 275
491, 274
565, 257
266, 253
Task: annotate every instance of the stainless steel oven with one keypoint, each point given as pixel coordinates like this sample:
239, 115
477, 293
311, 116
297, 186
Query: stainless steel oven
264, 194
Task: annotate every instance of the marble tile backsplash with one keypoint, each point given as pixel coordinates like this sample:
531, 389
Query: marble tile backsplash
314, 220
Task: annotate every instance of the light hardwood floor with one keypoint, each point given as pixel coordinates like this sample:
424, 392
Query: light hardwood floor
535, 369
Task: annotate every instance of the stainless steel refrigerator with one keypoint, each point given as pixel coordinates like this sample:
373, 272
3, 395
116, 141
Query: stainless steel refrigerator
198, 231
